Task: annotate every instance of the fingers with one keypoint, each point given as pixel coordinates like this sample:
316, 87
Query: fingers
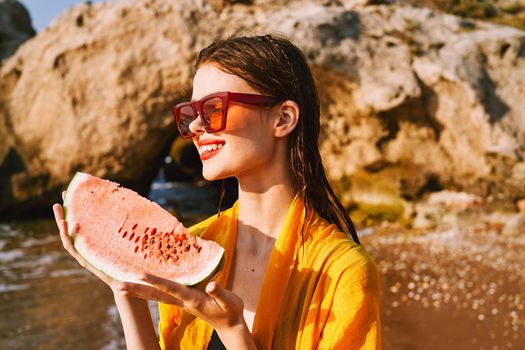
176, 289
217, 306
142, 291
224, 298
62, 227
58, 211
64, 235
190, 298
216, 291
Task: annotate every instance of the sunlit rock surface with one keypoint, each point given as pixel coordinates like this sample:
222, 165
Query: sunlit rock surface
420, 99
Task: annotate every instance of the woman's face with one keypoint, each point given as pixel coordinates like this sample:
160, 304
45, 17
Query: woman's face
247, 145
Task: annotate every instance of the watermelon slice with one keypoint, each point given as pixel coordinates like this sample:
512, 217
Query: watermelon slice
125, 235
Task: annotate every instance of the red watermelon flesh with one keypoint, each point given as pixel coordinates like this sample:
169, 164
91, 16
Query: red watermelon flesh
125, 235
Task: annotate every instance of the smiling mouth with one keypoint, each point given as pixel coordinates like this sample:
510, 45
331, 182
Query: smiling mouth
209, 150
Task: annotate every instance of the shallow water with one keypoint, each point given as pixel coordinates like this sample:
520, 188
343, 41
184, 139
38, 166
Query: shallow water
447, 289
47, 301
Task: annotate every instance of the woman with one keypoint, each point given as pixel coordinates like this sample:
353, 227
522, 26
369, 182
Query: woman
295, 275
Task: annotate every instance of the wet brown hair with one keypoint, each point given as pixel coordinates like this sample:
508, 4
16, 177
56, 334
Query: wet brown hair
274, 66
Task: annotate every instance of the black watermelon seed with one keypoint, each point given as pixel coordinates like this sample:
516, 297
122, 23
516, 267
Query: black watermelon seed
131, 236
125, 234
134, 226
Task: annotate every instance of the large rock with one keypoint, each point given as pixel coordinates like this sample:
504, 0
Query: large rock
430, 91
422, 100
15, 27
92, 92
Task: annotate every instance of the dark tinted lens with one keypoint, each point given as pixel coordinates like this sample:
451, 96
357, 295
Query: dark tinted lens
212, 110
186, 116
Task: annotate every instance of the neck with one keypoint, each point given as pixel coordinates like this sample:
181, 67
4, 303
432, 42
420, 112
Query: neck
264, 203
266, 191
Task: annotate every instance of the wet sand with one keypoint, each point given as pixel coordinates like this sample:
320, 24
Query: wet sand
451, 289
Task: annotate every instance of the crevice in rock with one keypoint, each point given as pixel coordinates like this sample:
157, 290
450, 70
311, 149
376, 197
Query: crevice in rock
390, 122
345, 25
60, 64
11, 165
492, 103
377, 166
429, 99
503, 49
418, 111
432, 184
80, 21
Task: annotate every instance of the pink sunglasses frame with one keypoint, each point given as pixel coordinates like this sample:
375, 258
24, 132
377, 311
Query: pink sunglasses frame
226, 97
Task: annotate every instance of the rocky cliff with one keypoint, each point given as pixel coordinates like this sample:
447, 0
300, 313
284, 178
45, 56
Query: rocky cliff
413, 100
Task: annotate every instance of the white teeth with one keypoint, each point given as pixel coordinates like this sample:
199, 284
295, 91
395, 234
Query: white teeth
210, 147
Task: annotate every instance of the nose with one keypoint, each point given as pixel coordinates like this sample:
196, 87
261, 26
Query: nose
196, 126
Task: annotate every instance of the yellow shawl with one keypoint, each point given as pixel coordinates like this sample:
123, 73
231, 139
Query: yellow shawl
323, 294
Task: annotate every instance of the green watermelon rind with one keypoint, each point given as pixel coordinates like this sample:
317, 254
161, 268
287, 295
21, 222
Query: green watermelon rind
207, 275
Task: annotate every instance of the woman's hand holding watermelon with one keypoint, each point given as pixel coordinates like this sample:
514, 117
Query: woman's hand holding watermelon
219, 307
135, 316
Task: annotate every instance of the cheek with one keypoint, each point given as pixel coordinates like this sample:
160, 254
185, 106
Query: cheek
238, 121
248, 134
248, 124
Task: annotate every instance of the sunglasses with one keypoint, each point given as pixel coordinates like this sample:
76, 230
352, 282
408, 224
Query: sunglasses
212, 109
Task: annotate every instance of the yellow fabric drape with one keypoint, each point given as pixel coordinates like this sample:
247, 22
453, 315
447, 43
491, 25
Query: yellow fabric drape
320, 289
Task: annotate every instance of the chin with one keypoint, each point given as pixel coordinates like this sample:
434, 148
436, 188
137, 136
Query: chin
211, 175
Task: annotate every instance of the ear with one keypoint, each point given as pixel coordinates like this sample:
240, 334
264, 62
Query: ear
288, 117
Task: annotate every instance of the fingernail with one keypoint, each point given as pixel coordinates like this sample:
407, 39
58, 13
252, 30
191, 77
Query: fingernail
211, 287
